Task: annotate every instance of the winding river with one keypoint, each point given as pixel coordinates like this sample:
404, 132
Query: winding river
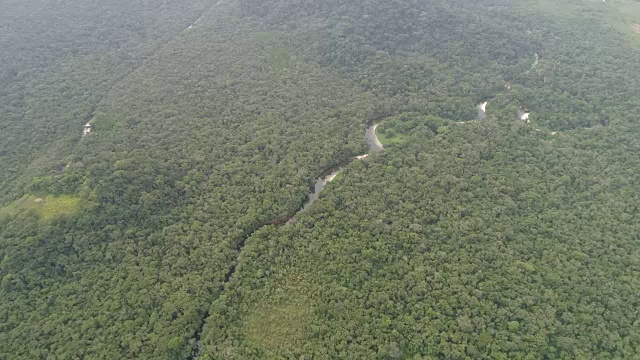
328, 175
372, 139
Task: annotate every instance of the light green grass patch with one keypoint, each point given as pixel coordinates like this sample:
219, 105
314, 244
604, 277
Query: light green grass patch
45, 208
264, 36
406, 127
56, 207
277, 323
390, 137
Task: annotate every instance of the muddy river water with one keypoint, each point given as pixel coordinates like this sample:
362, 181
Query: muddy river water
328, 175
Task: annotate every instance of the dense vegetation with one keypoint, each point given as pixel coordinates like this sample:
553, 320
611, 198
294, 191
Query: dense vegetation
501, 243
492, 239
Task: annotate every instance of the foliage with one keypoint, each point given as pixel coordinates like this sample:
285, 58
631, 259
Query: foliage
488, 239
47, 208
402, 128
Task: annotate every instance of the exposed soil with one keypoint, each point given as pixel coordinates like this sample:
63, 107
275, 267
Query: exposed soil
636, 28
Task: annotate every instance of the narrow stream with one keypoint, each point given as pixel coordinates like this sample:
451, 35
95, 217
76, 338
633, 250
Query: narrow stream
320, 183
375, 145
326, 177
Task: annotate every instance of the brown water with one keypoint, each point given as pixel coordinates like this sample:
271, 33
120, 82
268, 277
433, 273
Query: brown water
328, 175
320, 183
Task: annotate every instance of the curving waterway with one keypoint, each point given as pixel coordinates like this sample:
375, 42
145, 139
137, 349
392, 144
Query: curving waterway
372, 139
326, 177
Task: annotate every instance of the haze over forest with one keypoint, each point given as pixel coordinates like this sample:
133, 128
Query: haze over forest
319, 179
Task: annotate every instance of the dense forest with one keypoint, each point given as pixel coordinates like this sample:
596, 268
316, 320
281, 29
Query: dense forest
163, 232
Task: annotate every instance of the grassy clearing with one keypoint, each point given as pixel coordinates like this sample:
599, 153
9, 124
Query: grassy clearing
278, 323
26, 205
45, 208
392, 138
265, 37
56, 207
